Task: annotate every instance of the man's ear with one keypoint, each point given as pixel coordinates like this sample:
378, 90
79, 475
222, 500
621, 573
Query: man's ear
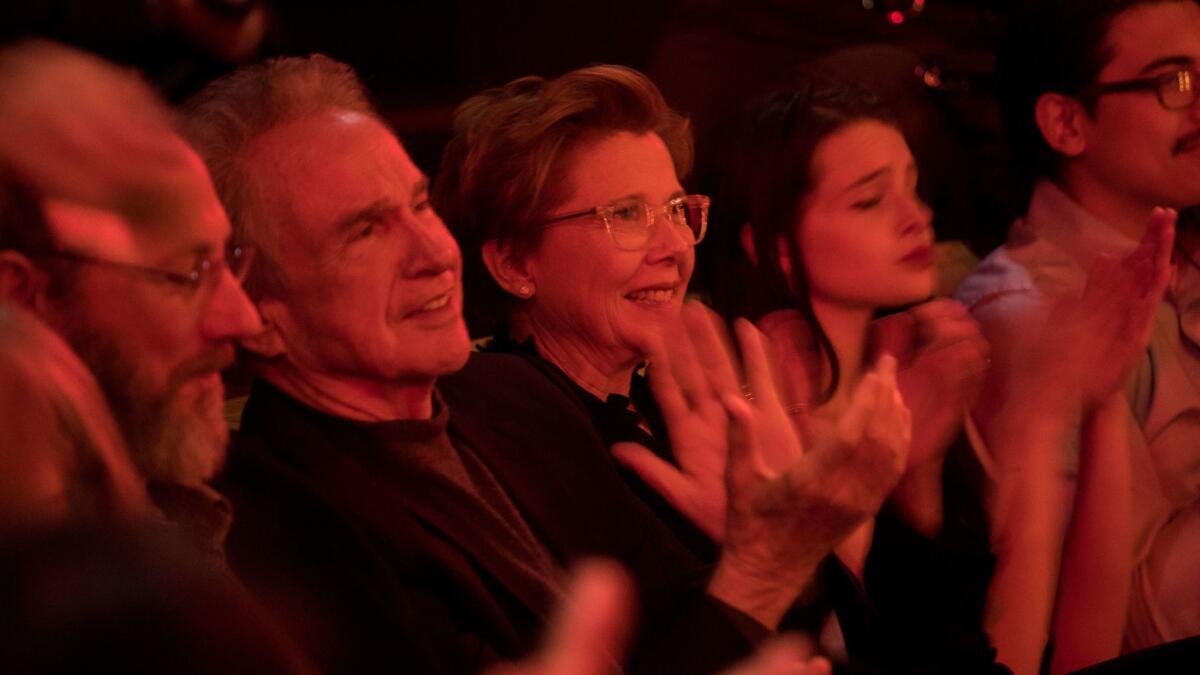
21, 282
267, 343
508, 269
1061, 120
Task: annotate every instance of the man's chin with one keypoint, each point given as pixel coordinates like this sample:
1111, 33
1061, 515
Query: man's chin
195, 437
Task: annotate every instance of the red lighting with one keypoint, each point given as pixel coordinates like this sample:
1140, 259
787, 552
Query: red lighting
896, 18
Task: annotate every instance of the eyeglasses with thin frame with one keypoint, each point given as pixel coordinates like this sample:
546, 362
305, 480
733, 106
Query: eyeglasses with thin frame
1175, 90
630, 222
204, 273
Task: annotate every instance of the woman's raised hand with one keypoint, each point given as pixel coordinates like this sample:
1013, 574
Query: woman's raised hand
684, 379
788, 505
784, 506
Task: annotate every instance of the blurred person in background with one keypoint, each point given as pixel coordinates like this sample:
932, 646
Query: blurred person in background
63, 458
125, 258
1099, 101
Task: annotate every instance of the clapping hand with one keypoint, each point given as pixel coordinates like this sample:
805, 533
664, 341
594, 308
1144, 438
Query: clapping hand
943, 360
1091, 343
696, 422
788, 505
824, 494
785, 506
590, 634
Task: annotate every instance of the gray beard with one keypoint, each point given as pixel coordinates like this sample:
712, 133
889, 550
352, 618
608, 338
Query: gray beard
171, 439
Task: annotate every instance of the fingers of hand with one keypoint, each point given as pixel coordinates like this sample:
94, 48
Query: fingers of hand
942, 319
965, 359
744, 451
686, 367
759, 373
710, 338
897, 334
887, 423
666, 390
785, 655
853, 422
658, 473
1164, 245
592, 629
886, 367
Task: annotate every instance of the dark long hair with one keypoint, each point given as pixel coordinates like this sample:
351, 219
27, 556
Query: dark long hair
767, 176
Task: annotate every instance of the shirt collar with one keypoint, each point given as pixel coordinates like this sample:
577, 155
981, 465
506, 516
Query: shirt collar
1055, 217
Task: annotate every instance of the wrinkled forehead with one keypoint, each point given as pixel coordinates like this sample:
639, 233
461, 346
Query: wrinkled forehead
309, 173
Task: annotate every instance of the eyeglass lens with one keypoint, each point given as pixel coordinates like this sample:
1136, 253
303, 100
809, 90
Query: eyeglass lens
1178, 90
239, 260
630, 223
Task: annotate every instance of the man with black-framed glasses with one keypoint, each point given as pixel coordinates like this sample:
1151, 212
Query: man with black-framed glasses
1100, 102
111, 233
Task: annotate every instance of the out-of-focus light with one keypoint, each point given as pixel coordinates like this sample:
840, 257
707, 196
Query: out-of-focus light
868, 4
896, 17
918, 6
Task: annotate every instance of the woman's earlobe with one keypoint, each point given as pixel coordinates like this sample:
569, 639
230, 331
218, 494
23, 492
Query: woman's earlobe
508, 269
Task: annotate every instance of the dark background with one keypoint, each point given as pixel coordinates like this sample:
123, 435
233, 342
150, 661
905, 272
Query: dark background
420, 58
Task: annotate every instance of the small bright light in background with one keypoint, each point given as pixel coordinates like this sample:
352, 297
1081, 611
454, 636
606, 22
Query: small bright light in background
896, 18
868, 4
918, 6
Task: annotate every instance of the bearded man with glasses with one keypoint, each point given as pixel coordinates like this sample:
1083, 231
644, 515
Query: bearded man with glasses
111, 232
1100, 104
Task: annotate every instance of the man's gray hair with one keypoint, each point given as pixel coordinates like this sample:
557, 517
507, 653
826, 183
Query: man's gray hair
232, 111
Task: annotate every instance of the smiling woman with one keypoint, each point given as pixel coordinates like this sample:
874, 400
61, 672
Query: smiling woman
578, 237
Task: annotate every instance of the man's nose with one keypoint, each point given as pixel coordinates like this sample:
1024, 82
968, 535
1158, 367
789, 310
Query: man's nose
431, 249
229, 314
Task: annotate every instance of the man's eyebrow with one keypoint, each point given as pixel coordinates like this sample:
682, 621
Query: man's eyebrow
1154, 65
372, 211
878, 173
421, 186
190, 254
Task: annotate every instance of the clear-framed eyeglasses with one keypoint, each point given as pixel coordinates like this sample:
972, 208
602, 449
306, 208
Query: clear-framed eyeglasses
204, 273
1175, 90
630, 222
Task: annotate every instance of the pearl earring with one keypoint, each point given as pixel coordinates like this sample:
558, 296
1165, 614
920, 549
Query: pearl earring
524, 291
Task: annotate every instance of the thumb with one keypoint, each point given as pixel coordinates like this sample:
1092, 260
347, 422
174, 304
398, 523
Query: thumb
592, 630
787, 654
895, 334
662, 476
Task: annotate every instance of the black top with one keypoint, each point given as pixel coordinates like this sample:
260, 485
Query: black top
620, 419
919, 607
377, 568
